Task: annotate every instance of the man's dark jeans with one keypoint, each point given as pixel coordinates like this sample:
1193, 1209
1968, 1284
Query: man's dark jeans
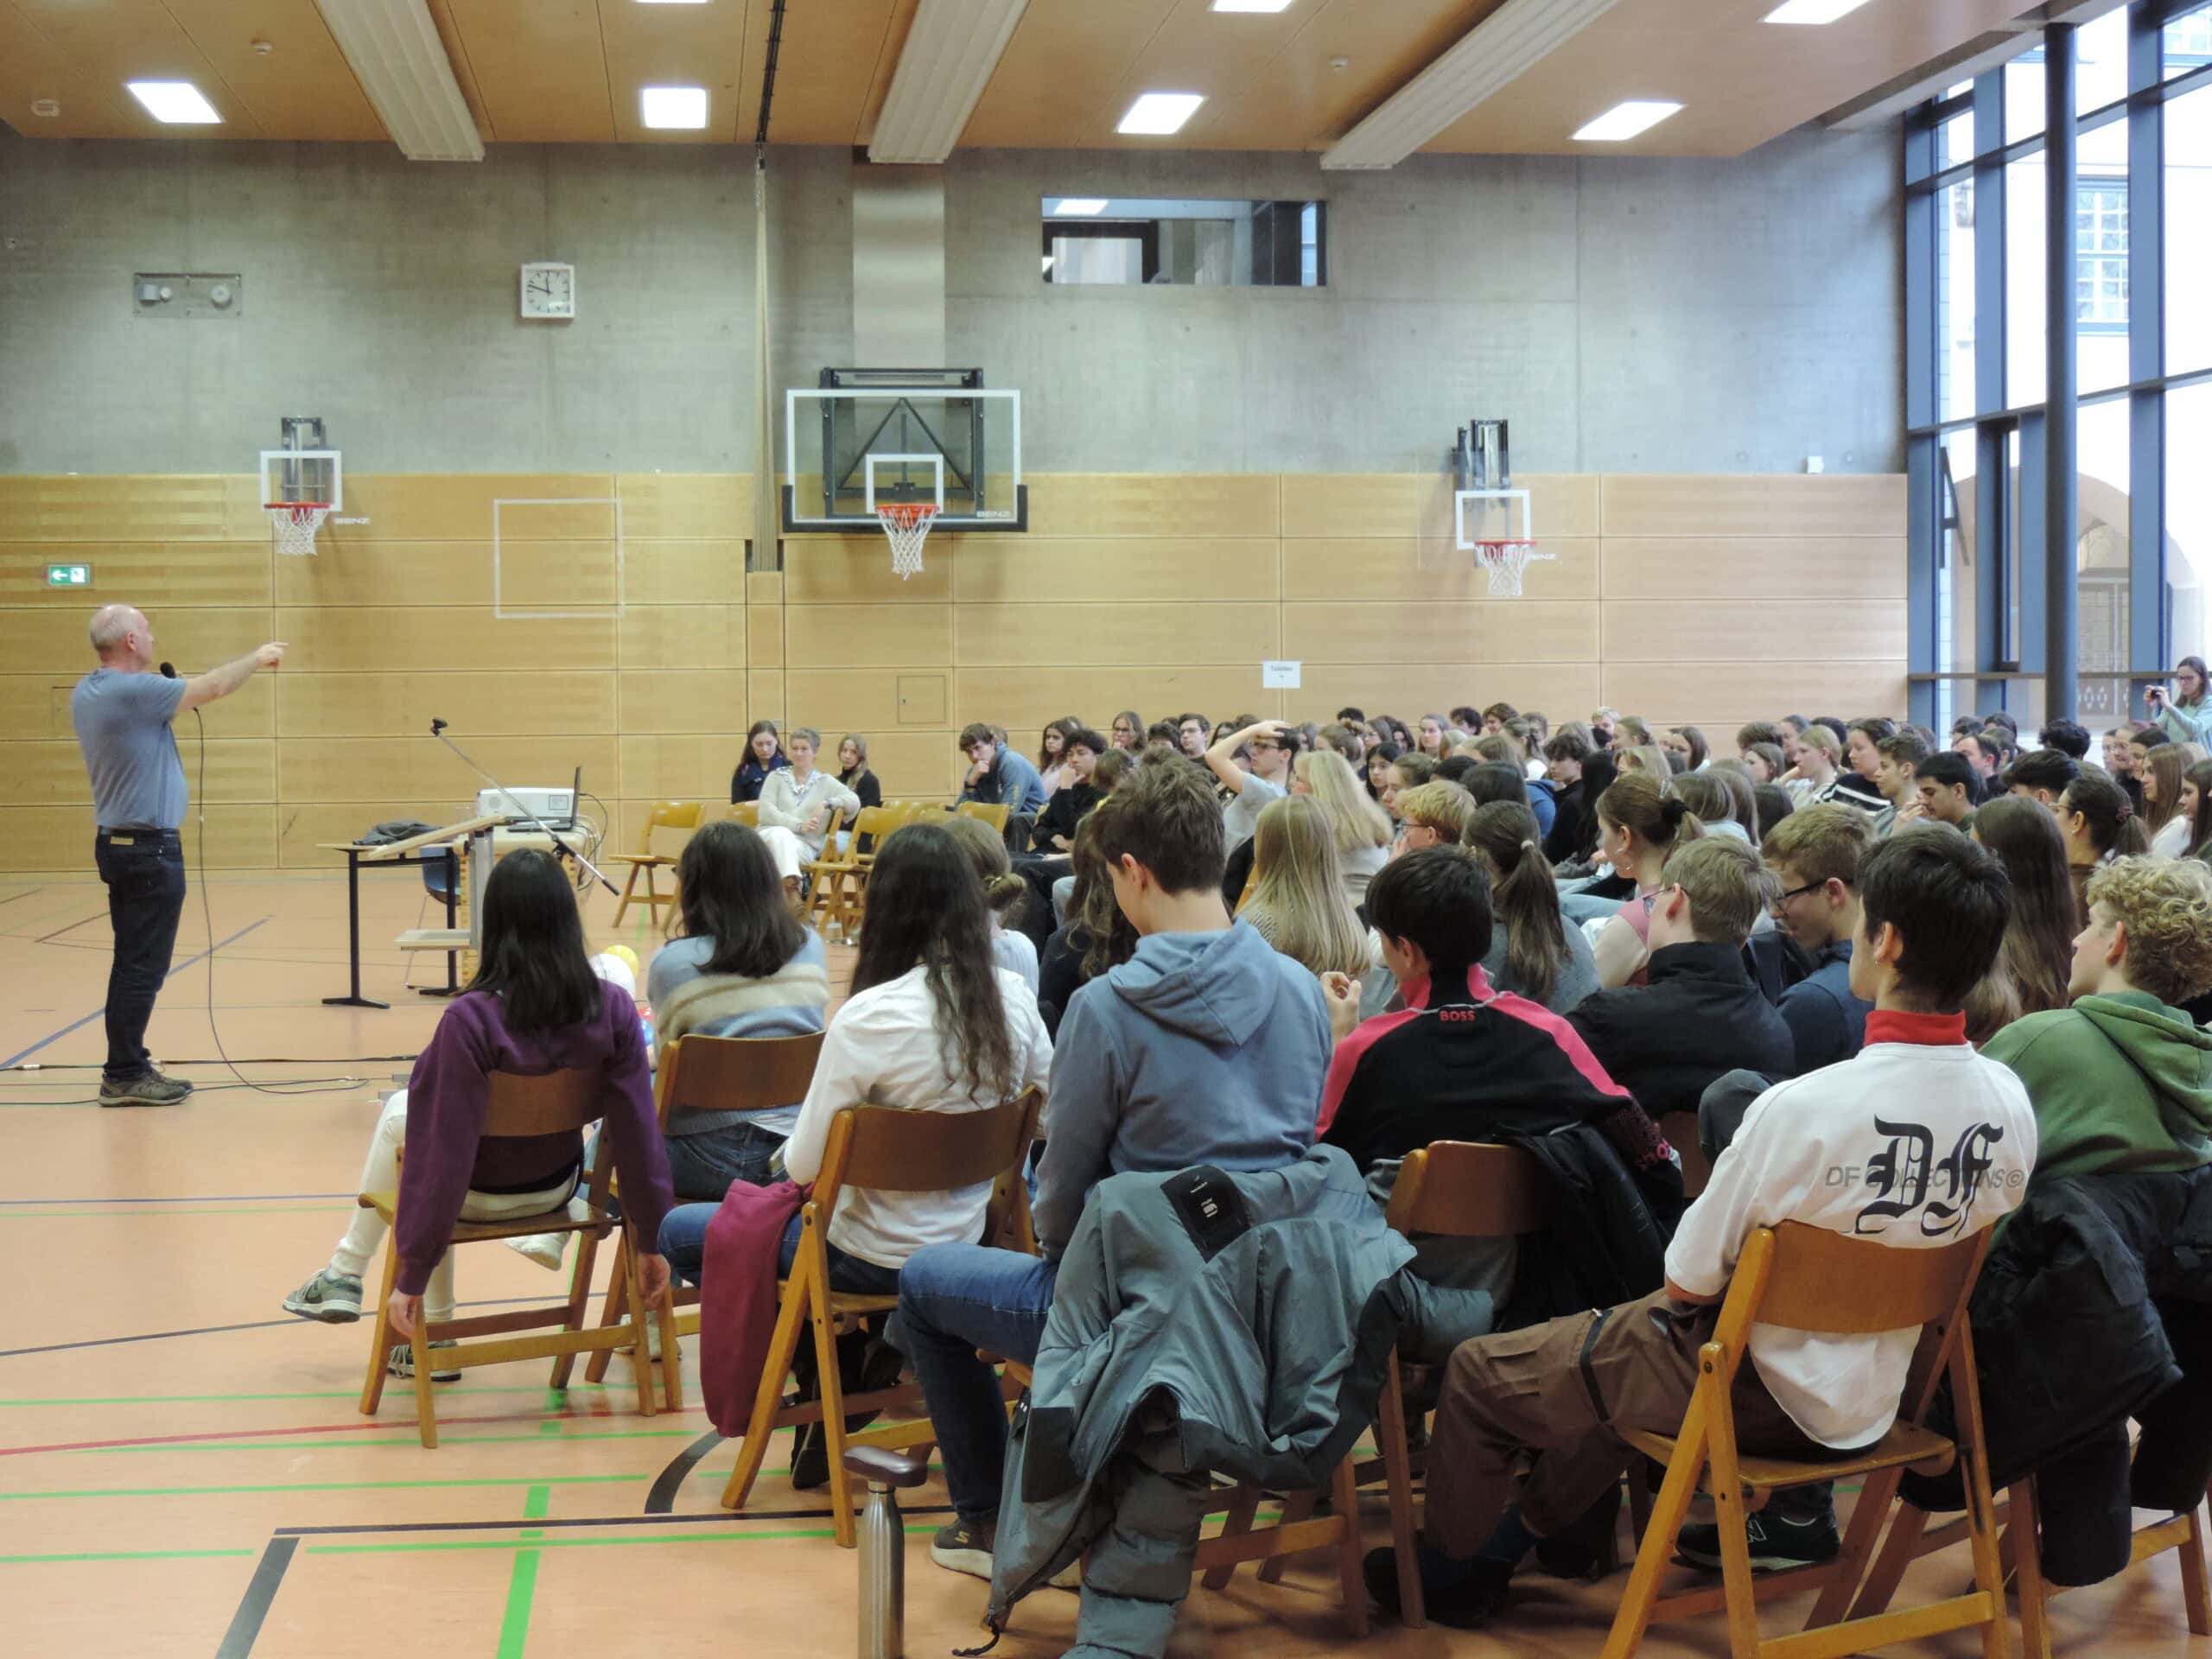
145, 873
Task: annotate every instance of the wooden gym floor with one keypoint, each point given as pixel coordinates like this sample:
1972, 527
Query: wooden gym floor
186, 1472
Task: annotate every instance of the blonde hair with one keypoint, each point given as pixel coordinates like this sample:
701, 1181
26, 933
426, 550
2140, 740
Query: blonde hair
1355, 820
1818, 737
1003, 891
1297, 899
1442, 806
1649, 760
2165, 904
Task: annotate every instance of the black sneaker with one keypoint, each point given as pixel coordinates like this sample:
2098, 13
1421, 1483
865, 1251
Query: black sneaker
1589, 1548
151, 1089
327, 1298
1468, 1606
810, 1461
1777, 1542
963, 1548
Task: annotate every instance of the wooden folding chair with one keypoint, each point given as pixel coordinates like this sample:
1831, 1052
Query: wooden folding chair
702, 1074
669, 821
993, 813
519, 1107
1802, 1278
835, 900
745, 812
889, 1150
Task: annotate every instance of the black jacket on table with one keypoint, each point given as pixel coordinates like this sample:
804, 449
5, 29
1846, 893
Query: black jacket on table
2095, 1306
1062, 814
1699, 1017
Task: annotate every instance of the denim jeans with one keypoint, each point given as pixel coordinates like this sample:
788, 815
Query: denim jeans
683, 1242
953, 1299
145, 873
702, 1167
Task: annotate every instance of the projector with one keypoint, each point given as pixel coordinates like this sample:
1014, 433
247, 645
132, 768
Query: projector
556, 807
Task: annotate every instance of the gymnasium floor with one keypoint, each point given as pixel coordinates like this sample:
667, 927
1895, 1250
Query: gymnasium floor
186, 1471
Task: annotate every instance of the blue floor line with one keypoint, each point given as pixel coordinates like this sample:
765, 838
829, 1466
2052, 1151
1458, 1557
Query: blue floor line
100, 1013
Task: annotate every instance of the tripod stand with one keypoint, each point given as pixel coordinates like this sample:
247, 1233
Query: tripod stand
438, 731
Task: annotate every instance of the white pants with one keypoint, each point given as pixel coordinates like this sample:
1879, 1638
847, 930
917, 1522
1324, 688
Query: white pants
790, 852
380, 1173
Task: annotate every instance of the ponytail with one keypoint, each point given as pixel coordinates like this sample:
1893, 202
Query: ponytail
1524, 897
2114, 826
1641, 804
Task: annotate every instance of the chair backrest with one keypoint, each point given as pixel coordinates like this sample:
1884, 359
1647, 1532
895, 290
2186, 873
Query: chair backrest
877, 821
733, 1074
552, 1104
669, 815
896, 1151
746, 813
993, 813
1465, 1189
1815, 1279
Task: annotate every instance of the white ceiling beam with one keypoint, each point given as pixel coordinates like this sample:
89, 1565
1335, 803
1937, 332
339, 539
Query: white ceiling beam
1489, 57
395, 54
951, 53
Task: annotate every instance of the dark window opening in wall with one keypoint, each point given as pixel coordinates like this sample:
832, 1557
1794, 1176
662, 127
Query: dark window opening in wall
1132, 242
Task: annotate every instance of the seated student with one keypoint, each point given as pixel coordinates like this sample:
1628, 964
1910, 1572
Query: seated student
1537, 793
796, 802
1077, 793
1947, 789
1857, 785
2123, 1079
1375, 769
2032, 969
2164, 820
1164, 733
1901, 752
1532, 951
1052, 877
1985, 751
1341, 739
764, 753
1005, 896
1204, 1012
1128, 735
1713, 803
1495, 780
2197, 811
1298, 902
996, 775
1052, 753
1765, 763
534, 1007
2067, 737
2099, 824
1192, 733
741, 966
1933, 910
1564, 754
1699, 1016
1435, 815
1407, 772
1772, 805
1817, 770
1815, 855
1272, 745
1640, 827
2041, 775
1686, 741
1095, 938
1361, 829
853, 773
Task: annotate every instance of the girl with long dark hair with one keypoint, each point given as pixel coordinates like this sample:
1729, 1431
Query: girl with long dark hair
2099, 824
1534, 952
764, 753
2037, 957
534, 1007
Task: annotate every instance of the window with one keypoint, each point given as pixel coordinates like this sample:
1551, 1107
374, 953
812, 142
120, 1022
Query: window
2189, 216
2101, 242
2189, 42
1195, 243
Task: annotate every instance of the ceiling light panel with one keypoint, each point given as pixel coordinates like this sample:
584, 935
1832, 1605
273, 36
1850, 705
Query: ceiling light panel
174, 103
1156, 115
951, 51
395, 54
673, 108
1253, 5
1489, 57
1626, 120
1812, 12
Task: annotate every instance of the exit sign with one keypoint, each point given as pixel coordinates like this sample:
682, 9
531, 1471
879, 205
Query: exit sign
68, 575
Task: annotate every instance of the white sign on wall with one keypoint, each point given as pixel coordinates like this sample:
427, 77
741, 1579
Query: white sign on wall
1280, 676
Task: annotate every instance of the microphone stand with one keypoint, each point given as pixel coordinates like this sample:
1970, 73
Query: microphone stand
438, 731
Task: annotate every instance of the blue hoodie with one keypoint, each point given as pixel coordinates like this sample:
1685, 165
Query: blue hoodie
1202, 1048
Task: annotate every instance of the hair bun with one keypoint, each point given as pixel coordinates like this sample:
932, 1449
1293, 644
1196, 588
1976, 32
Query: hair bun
2127, 810
1672, 811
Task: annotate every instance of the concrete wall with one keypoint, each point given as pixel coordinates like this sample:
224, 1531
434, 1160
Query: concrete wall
1626, 316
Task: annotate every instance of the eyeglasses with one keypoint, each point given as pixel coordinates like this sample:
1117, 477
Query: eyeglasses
1784, 898
1651, 900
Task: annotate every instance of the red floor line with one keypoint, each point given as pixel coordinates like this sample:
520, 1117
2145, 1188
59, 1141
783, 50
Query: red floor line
301, 1428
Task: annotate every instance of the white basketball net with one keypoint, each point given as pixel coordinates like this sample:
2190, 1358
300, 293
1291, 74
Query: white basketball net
1503, 562
907, 523
295, 525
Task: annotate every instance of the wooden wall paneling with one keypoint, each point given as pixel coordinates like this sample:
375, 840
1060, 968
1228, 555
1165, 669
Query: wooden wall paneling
304, 826
1563, 690
847, 699
153, 575
388, 637
1024, 699
457, 507
110, 507
403, 705
1515, 630
1424, 571
1754, 504
1092, 505
1716, 631
682, 636
1762, 567
682, 506
857, 570
763, 587
61, 838
1343, 506
1132, 632
680, 766
37, 706
1719, 696
868, 636
764, 636
363, 572
683, 699
997, 570
914, 765
764, 696
544, 576
53, 772
683, 572
53, 641
409, 768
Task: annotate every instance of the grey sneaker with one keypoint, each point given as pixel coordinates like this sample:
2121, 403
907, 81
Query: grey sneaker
151, 1089
963, 1547
327, 1298
401, 1362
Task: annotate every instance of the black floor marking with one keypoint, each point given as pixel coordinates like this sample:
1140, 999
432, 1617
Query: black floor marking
689, 1519
662, 1499
252, 1325
253, 1606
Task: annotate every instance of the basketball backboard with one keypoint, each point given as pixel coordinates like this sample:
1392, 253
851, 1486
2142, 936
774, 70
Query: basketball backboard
866, 439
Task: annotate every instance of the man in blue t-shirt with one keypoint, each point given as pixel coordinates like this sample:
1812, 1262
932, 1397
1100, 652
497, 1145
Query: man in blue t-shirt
122, 712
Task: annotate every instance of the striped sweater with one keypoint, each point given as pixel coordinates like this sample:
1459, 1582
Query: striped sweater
685, 1000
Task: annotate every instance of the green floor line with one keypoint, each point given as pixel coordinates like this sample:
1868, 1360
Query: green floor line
394, 1445
319, 1487
110, 1214
552, 1396
522, 1583
124, 1555
670, 1537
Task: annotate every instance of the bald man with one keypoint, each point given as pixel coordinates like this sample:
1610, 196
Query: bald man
122, 712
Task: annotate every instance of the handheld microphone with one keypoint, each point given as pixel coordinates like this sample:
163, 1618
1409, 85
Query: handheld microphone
436, 725
169, 671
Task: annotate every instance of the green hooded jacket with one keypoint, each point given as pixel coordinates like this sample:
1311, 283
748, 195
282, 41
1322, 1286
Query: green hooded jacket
2118, 1083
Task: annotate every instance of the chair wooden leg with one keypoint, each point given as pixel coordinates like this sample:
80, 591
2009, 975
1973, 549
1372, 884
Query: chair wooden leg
641, 1364
1397, 1473
1887, 1572
767, 1399
622, 904
2026, 1535
1343, 1495
1296, 1506
426, 1404
615, 1307
580, 1273
1742, 1604
1667, 1512
671, 1359
2194, 1598
832, 1389
1244, 1505
652, 894
380, 1335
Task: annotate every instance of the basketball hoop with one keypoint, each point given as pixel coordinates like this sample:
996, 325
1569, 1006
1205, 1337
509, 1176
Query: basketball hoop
1503, 562
907, 523
295, 525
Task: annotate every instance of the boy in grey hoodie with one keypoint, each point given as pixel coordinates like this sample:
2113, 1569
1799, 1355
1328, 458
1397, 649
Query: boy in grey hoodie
1206, 1047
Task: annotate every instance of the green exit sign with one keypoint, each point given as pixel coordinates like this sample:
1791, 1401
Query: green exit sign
68, 575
